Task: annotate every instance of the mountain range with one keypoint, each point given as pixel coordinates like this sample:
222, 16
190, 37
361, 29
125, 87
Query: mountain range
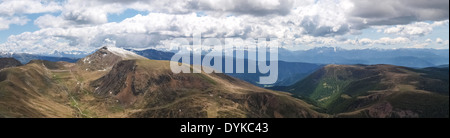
295, 65
114, 82
117, 83
415, 58
24, 58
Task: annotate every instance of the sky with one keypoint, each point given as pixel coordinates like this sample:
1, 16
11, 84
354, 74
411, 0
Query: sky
80, 26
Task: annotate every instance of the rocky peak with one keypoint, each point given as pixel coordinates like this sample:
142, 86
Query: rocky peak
105, 58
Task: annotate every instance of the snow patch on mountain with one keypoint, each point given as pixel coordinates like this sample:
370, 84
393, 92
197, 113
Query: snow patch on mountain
124, 53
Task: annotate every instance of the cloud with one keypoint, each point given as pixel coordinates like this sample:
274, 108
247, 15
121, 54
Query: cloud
251, 7
418, 28
95, 12
83, 24
420, 45
365, 41
138, 31
366, 13
50, 21
12, 11
392, 41
415, 29
5, 22
386, 41
13, 7
439, 41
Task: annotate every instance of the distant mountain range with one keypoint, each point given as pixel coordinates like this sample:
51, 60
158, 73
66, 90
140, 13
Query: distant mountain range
25, 58
290, 72
295, 65
416, 58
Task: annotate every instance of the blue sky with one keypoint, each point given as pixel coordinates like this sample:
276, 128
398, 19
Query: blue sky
43, 26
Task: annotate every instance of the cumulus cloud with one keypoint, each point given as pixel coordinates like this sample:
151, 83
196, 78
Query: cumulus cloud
439, 41
13, 7
418, 28
12, 11
50, 21
83, 24
6, 21
394, 12
139, 31
94, 12
415, 29
252, 7
381, 41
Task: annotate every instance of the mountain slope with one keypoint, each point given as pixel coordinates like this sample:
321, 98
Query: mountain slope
8, 62
377, 91
32, 91
114, 83
154, 91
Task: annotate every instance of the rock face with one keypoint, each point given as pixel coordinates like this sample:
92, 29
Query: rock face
151, 87
8, 62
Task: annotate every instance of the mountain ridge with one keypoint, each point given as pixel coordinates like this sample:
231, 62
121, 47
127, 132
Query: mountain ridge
376, 91
135, 88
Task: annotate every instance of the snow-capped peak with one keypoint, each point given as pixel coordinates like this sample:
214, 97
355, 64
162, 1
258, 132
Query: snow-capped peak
123, 53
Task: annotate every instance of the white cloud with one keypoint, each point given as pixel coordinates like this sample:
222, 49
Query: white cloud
365, 41
83, 24
6, 21
415, 29
439, 41
218, 7
13, 11
13, 7
392, 41
420, 45
50, 21
394, 12
381, 41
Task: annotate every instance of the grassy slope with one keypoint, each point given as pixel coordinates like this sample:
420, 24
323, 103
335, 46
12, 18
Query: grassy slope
47, 89
210, 95
377, 91
29, 91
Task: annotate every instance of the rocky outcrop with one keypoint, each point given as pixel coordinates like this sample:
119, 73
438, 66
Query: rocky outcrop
102, 59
